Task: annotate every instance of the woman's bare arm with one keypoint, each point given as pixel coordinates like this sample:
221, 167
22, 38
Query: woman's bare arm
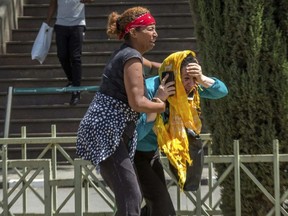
134, 85
51, 10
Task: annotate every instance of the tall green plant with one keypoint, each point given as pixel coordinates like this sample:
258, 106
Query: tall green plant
244, 43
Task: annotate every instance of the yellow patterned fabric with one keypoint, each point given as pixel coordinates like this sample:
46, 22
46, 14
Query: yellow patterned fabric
183, 113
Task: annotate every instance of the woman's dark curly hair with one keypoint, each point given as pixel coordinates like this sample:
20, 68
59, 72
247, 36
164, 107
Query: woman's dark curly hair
116, 22
188, 59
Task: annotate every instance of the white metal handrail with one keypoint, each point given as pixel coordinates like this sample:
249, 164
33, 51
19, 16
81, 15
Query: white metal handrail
86, 179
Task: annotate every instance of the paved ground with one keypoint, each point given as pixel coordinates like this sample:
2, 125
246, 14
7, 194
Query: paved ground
95, 203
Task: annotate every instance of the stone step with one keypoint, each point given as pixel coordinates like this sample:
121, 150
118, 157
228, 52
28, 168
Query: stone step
91, 33
42, 125
106, 8
47, 109
25, 58
46, 134
50, 110
87, 58
47, 82
108, 45
45, 71
44, 99
100, 21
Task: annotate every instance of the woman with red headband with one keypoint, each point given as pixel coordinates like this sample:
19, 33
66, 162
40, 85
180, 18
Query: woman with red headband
107, 135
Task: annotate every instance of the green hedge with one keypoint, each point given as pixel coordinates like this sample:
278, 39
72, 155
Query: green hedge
244, 43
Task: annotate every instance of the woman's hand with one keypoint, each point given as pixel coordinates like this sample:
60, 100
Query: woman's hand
165, 89
194, 70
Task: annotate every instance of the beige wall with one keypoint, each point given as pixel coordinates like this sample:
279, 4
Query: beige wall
9, 11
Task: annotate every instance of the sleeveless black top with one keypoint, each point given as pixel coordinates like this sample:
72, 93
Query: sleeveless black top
113, 75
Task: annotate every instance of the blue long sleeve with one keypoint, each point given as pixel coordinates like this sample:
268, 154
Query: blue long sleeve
146, 137
216, 91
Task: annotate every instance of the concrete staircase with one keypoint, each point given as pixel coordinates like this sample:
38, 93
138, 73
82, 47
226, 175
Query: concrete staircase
39, 112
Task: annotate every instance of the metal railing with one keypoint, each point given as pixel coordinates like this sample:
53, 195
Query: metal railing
9, 12
85, 180
43, 90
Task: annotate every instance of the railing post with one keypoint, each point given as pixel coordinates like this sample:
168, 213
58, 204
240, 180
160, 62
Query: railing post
8, 112
237, 163
54, 166
276, 177
210, 173
78, 187
4, 152
178, 199
24, 169
198, 201
5, 183
47, 189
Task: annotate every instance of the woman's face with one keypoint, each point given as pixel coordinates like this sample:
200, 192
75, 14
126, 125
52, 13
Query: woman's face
187, 81
146, 38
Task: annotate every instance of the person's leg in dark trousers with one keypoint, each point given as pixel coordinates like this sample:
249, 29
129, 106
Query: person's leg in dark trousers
69, 50
63, 50
75, 44
153, 184
119, 174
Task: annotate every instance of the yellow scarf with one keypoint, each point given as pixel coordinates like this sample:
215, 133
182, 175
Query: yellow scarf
183, 113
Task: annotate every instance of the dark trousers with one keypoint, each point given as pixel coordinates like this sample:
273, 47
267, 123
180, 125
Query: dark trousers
119, 174
153, 184
69, 41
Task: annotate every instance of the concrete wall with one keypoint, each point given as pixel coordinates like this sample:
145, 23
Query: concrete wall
9, 11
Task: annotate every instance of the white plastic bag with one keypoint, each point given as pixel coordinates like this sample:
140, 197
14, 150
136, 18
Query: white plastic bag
42, 43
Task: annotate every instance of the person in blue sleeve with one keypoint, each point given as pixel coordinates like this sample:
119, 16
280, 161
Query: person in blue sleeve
191, 84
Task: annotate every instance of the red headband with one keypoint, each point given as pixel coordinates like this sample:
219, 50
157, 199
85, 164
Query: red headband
143, 20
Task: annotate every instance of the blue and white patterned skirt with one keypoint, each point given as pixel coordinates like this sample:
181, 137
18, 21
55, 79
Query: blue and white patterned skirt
102, 127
